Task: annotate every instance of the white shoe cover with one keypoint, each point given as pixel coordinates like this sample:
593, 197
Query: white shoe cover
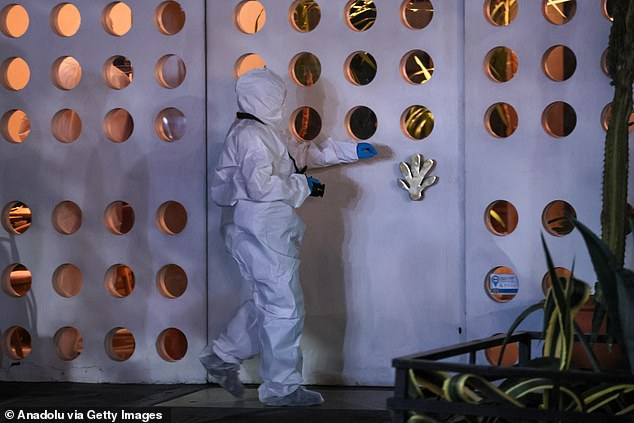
302, 397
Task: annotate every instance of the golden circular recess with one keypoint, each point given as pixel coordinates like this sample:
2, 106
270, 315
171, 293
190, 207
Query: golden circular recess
247, 62
559, 12
66, 126
250, 16
66, 73
16, 280
68, 343
120, 344
169, 17
170, 124
17, 342
360, 68
606, 115
118, 72
501, 284
561, 272
304, 15
67, 280
14, 20
119, 217
16, 217
119, 280
501, 120
170, 71
67, 218
118, 125
361, 123
511, 354
171, 345
501, 64
559, 63
65, 19
417, 122
607, 12
15, 74
501, 218
171, 218
15, 126
559, 119
417, 67
305, 69
116, 18
305, 123
501, 12
360, 14
604, 63
171, 281
555, 218
417, 14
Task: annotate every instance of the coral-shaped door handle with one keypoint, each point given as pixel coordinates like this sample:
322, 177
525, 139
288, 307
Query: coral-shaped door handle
416, 179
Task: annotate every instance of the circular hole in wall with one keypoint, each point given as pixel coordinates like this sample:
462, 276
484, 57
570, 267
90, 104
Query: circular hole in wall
305, 15
171, 281
15, 126
559, 119
14, 20
555, 218
116, 18
500, 12
604, 62
247, 62
66, 126
560, 272
417, 67
119, 217
170, 124
65, 19
361, 122
501, 217
501, 120
119, 280
120, 344
305, 123
171, 344
170, 71
118, 125
417, 14
118, 72
16, 217
607, 7
559, 63
501, 284
417, 122
360, 14
169, 17
16, 280
15, 74
305, 69
360, 68
606, 115
69, 343
171, 218
67, 218
250, 16
67, 280
501, 64
511, 354
66, 73
17, 342
559, 12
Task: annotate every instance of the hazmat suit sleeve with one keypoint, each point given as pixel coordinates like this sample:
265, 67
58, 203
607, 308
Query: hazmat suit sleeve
328, 153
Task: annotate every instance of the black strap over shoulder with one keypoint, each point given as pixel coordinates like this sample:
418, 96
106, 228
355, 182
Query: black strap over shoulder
243, 115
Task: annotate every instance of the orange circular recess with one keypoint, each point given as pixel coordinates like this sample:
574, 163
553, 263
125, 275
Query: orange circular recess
120, 344
559, 12
65, 19
360, 14
171, 281
66, 126
14, 20
67, 280
501, 120
305, 123
16, 280
501, 284
118, 72
360, 68
511, 354
501, 64
119, 217
15, 74
361, 123
559, 63
171, 218
417, 122
66, 73
119, 280
67, 218
247, 62
304, 15
417, 67
15, 126
116, 18
501, 218
555, 218
606, 115
559, 119
607, 11
171, 345
170, 71
16, 217
417, 14
305, 69
17, 342
604, 63
250, 16
169, 17
118, 125
170, 124
69, 343
561, 272
500, 12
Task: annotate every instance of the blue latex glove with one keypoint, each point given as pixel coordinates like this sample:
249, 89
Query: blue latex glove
312, 182
365, 150
316, 189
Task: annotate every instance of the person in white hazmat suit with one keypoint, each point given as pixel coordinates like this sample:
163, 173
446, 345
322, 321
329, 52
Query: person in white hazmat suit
258, 183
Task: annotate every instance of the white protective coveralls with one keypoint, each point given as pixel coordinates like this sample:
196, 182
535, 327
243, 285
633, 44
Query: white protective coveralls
256, 183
